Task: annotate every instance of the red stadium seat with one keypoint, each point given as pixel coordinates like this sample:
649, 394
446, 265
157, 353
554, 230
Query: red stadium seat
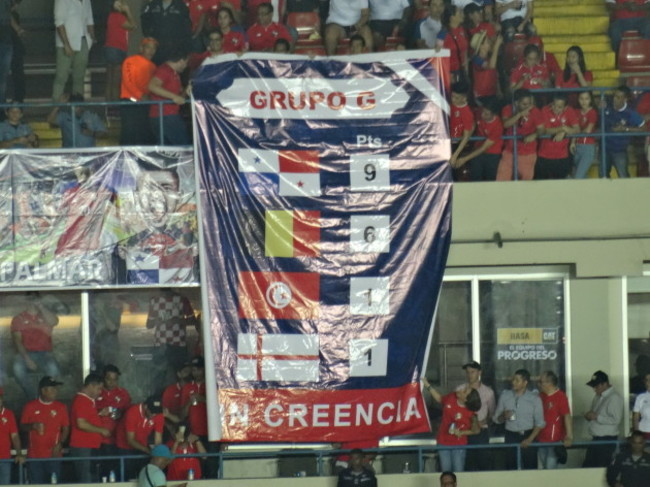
634, 55
631, 34
513, 52
310, 50
304, 22
393, 42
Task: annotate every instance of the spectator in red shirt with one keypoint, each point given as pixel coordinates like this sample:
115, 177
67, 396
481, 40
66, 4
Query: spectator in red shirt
484, 65
112, 403
453, 36
171, 398
134, 431
575, 74
527, 119
9, 438
185, 443
627, 15
234, 39
120, 22
31, 333
215, 48
166, 85
263, 33
47, 423
557, 417
559, 120
484, 159
584, 148
86, 428
199, 11
531, 74
462, 120
474, 22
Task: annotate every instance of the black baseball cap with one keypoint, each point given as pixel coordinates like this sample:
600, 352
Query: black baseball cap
598, 378
473, 364
48, 381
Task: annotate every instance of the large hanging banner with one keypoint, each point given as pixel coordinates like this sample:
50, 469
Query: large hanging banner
325, 196
97, 218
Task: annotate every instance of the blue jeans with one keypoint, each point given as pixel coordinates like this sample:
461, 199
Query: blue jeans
452, 460
174, 130
619, 161
41, 472
584, 157
6, 52
617, 27
86, 470
547, 457
5, 471
28, 380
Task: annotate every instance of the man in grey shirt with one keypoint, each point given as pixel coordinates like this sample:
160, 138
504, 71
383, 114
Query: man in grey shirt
478, 460
604, 418
523, 414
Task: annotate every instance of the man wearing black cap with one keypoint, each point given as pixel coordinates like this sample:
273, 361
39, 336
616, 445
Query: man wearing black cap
47, 422
479, 459
604, 418
133, 432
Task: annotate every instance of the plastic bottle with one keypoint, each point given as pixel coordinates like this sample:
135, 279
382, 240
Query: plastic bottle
111, 476
407, 468
452, 428
53, 478
190, 474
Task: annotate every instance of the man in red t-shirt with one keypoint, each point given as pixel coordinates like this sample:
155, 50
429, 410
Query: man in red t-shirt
627, 15
112, 403
263, 34
166, 85
46, 422
559, 120
171, 397
134, 431
532, 73
86, 427
484, 159
527, 119
557, 416
9, 438
461, 122
31, 333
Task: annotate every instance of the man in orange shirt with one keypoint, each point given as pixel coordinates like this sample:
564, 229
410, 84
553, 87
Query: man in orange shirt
137, 71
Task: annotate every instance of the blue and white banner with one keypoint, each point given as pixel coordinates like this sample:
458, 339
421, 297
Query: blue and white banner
325, 194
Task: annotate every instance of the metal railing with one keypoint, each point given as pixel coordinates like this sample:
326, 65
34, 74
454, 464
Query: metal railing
321, 457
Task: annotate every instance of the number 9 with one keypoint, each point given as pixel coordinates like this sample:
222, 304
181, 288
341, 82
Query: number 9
371, 172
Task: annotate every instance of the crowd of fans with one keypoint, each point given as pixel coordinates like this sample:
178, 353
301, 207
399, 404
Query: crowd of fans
492, 94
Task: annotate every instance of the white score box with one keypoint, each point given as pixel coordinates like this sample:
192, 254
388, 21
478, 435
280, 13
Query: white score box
369, 295
368, 357
370, 233
369, 172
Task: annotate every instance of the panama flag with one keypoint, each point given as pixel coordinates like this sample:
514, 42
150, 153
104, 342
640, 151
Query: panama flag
292, 233
294, 172
278, 357
279, 295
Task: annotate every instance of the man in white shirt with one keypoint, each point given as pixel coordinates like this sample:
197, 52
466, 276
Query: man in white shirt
427, 29
388, 18
516, 16
75, 33
604, 418
347, 18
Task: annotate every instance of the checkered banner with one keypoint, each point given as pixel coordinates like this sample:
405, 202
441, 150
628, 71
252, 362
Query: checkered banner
325, 192
86, 218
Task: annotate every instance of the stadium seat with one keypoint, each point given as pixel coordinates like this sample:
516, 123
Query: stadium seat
634, 55
513, 52
306, 23
310, 50
631, 34
393, 42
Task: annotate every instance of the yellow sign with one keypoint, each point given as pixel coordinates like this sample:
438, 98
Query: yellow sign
526, 336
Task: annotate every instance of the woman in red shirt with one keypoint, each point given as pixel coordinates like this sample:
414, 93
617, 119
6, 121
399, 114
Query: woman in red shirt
584, 148
185, 443
453, 36
457, 423
233, 38
575, 74
120, 22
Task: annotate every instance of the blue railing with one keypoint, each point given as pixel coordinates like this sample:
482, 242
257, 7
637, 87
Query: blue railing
321, 457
